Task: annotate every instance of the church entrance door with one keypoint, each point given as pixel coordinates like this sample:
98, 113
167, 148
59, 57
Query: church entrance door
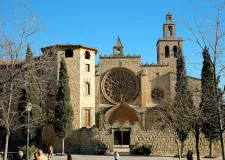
121, 138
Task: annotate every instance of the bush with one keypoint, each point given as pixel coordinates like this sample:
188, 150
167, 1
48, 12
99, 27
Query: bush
31, 149
101, 148
143, 150
11, 155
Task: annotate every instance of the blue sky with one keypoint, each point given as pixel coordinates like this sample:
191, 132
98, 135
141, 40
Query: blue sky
97, 23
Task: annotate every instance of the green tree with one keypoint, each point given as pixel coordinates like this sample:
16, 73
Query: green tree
63, 109
182, 101
208, 98
209, 31
32, 89
176, 113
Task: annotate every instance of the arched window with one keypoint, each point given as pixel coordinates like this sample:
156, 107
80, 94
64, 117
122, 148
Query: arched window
87, 88
170, 19
167, 51
87, 117
87, 55
118, 51
175, 51
170, 31
68, 53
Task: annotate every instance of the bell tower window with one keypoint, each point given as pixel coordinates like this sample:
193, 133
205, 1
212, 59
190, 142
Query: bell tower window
175, 51
170, 31
118, 51
169, 19
69, 53
87, 55
167, 51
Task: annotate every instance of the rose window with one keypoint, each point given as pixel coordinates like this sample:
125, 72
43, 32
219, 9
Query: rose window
120, 84
157, 94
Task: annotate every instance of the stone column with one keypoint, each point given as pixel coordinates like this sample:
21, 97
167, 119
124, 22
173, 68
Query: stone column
142, 115
143, 90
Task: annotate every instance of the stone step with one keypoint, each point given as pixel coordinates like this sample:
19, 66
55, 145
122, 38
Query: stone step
123, 150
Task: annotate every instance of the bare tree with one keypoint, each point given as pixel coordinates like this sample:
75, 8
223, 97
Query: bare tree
13, 70
211, 34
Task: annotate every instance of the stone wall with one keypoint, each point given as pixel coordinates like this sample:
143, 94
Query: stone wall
163, 142
90, 137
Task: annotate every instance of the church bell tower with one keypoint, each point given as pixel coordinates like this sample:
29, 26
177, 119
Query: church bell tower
167, 47
118, 48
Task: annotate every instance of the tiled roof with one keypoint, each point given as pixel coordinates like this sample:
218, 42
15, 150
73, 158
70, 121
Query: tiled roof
71, 45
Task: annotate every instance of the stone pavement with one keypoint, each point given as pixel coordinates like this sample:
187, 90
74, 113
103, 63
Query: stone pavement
100, 157
122, 157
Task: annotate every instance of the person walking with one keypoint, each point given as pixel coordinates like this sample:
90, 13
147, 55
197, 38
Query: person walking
41, 155
189, 155
50, 152
69, 156
116, 155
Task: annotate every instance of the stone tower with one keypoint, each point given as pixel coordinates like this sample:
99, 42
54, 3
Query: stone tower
80, 62
167, 47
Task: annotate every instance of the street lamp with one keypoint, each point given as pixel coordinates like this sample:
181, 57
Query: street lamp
28, 109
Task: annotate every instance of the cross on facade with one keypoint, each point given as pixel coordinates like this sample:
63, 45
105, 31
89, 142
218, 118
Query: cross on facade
121, 97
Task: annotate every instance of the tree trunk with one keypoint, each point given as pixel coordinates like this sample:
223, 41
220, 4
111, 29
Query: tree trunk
197, 138
6, 144
210, 149
8, 121
222, 145
178, 148
62, 146
182, 148
221, 130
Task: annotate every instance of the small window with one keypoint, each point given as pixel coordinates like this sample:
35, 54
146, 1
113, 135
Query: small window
175, 51
157, 75
87, 88
170, 31
69, 53
87, 55
170, 19
167, 51
120, 64
87, 67
118, 51
87, 118
157, 94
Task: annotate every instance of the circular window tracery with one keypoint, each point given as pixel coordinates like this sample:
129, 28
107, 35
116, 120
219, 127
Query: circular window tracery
157, 94
120, 84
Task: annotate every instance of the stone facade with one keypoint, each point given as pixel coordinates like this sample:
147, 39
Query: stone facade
114, 102
80, 62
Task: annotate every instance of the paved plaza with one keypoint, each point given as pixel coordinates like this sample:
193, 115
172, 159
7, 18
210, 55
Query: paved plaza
99, 157
122, 157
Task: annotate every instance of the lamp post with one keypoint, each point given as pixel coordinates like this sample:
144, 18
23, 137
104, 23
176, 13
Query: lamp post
28, 109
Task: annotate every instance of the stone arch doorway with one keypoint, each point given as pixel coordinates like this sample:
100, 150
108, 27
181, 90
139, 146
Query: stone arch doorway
121, 117
122, 112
